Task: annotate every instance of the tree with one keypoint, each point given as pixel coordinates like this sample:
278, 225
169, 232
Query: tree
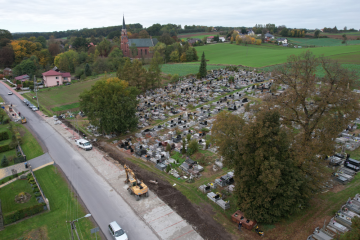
87, 70
27, 66
354, 233
5, 34
4, 162
133, 50
42, 41
183, 150
344, 39
54, 49
2, 115
318, 111
104, 47
23, 49
44, 57
269, 184
155, 69
174, 56
111, 105
67, 61
193, 147
80, 44
316, 33
144, 34
284, 32
116, 58
202, 69
6, 56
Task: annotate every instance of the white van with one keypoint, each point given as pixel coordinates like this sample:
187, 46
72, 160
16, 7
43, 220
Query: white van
84, 144
117, 232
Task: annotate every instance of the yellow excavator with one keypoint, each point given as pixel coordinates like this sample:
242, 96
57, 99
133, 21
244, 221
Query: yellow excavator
136, 187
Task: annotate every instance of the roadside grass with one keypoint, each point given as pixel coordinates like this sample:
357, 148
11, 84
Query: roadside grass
8, 193
1, 99
254, 56
63, 208
30, 145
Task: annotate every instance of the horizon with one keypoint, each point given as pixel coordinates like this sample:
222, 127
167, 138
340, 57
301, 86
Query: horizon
39, 15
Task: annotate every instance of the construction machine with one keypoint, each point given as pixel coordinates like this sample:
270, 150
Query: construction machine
136, 187
23, 119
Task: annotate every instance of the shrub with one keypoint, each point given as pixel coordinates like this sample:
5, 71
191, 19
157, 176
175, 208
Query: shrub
4, 136
168, 148
168, 168
204, 129
4, 162
188, 137
207, 143
23, 213
193, 147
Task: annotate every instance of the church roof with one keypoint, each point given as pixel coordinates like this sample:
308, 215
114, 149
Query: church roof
143, 42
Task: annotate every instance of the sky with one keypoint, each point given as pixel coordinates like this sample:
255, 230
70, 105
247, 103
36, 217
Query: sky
55, 15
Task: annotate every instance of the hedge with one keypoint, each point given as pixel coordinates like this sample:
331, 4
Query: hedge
23, 213
4, 136
5, 148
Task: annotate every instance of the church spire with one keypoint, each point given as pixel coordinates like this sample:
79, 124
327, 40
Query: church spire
124, 27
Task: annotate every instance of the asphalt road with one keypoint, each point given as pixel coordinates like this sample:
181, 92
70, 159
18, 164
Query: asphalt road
104, 204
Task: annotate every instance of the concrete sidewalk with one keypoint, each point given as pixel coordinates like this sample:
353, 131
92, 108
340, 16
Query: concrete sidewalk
164, 221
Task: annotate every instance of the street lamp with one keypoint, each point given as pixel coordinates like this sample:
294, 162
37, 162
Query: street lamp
73, 227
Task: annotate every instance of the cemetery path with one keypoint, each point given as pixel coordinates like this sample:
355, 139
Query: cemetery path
194, 214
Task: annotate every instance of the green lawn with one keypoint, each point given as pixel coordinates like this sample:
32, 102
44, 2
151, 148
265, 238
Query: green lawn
185, 68
52, 223
320, 42
30, 145
254, 56
8, 193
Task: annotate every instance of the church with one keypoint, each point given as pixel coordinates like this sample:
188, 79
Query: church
142, 44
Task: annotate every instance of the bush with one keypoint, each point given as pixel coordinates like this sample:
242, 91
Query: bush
23, 213
168, 168
204, 129
193, 147
4, 136
4, 162
83, 77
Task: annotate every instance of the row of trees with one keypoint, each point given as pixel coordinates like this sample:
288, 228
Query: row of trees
247, 39
275, 155
293, 32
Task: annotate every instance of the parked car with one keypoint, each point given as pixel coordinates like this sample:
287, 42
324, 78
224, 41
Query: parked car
84, 144
68, 83
31, 105
34, 108
117, 232
10, 93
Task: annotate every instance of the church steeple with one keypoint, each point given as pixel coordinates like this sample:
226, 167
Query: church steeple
123, 30
124, 26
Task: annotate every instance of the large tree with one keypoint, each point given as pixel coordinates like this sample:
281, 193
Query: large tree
111, 105
202, 69
317, 108
6, 56
5, 34
269, 185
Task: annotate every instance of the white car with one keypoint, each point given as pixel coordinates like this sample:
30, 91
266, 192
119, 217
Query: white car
84, 144
34, 108
117, 232
10, 93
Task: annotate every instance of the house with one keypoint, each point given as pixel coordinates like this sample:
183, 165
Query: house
250, 31
7, 72
282, 40
268, 37
53, 78
209, 39
142, 45
191, 41
22, 78
222, 39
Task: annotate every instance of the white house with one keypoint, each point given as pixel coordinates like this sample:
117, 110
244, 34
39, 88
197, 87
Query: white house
282, 40
222, 39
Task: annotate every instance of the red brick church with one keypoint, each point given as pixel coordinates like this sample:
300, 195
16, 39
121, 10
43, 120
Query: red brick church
142, 45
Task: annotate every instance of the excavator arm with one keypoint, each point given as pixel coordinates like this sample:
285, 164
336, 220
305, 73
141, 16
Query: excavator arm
129, 173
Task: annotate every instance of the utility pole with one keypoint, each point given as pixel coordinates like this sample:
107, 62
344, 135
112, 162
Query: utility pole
73, 228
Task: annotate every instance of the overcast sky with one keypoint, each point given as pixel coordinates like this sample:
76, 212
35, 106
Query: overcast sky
54, 15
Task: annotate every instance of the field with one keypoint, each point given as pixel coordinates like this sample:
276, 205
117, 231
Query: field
349, 58
185, 68
51, 225
320, 42
254, 56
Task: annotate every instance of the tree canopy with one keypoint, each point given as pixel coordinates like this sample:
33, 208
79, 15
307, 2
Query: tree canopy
268, 183
110, 104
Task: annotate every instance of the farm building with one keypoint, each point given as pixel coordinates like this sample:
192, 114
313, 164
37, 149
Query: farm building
22, 78
282, 40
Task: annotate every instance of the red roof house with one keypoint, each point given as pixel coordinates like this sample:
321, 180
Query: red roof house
53, 78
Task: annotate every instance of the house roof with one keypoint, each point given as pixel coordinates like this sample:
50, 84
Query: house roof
280, 39
269, 35
7, 69
143, 42
210, 37
55, 73
22, 77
